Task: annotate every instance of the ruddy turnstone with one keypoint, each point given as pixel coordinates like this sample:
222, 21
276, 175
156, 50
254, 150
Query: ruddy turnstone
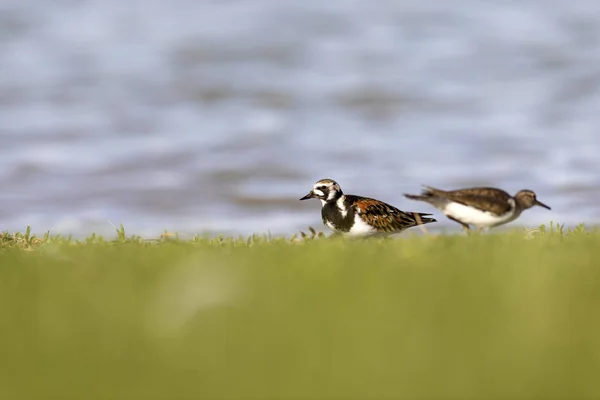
361, 216
482, 207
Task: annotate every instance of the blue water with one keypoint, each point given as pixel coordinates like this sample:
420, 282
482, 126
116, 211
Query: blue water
216, 116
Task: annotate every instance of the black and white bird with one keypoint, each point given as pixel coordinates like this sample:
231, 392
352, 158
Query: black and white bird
483, 207
361, 216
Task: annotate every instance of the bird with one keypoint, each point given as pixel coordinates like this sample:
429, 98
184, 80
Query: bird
357, 216
483, 207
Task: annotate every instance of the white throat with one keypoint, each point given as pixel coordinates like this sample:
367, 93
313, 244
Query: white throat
331, 195
339, 203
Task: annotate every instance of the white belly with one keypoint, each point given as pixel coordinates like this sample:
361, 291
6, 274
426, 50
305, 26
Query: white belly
473, 216
361, 228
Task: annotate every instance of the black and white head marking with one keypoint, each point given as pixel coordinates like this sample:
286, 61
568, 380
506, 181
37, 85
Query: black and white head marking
326, 190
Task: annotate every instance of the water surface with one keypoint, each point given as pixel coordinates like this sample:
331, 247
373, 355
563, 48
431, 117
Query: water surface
216, 116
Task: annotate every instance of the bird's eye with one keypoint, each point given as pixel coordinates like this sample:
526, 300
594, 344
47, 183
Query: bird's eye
322, 187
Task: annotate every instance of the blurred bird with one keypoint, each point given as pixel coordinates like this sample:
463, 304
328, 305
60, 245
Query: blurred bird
482, 207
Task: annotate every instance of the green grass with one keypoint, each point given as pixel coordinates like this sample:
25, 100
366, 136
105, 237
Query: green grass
487, 316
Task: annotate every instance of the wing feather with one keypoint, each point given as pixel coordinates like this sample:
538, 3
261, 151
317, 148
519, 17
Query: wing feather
385, 217
495, 201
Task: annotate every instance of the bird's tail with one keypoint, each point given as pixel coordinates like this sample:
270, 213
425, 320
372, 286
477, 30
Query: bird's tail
422, 218
419, 197
426, 194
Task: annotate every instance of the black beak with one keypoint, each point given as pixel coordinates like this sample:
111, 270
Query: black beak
310, 195
539, 203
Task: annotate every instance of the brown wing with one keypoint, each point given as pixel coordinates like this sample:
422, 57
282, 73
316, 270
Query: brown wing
488, 199
387, 218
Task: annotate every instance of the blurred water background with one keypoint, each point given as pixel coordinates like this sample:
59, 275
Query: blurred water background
216, 116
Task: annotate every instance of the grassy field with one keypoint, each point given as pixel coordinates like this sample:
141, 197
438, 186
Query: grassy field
510, 315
